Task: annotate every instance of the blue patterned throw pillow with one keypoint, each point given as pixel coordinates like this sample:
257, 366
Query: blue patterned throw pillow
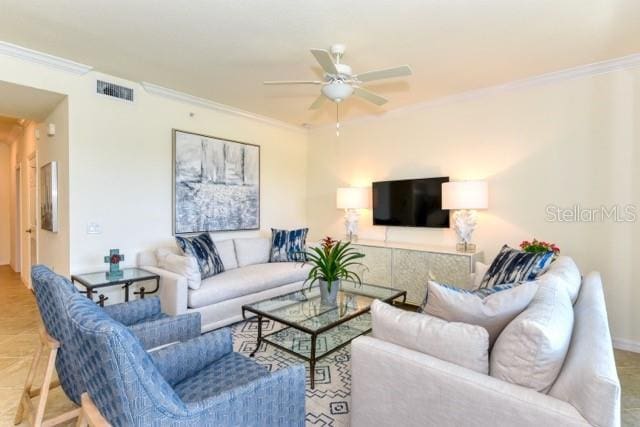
288, 245
515, 266
203, 249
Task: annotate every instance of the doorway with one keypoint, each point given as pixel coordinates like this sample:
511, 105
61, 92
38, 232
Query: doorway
17, 262
31, 231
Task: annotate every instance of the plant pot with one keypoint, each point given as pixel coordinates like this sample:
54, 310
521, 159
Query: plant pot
329, 297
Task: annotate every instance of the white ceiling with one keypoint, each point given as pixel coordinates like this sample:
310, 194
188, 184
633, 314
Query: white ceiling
27, 102
223, 50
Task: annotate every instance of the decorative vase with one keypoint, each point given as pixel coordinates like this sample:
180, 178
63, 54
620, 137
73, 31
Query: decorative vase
329, 297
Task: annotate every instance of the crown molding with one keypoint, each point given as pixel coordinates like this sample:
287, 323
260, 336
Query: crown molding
593, 69
212, 105
43, 58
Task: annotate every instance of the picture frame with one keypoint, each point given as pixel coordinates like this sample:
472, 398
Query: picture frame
49, 197
215, 184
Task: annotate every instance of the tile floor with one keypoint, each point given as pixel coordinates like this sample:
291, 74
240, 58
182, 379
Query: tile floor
18, 338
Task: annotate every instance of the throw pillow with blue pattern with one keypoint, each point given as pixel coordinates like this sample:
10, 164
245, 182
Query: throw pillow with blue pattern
515, 266
288, 245
203, 249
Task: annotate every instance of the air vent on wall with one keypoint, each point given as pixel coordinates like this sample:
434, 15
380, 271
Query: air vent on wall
114, 90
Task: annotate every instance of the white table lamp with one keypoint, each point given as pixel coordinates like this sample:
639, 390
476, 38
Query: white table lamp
351, 199
464, 197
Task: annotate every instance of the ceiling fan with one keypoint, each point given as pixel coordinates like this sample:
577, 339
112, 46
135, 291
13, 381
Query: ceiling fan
339, 81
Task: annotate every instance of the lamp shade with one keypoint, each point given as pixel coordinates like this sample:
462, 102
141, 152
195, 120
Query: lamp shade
352, 198
465, 195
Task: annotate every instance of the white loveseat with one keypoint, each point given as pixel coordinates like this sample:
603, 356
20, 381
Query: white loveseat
394, 385
248, 277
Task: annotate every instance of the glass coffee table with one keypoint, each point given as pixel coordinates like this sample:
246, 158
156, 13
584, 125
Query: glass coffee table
313, 330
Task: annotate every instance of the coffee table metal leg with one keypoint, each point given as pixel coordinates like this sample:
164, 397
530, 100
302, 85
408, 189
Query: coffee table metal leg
312, 362
253, 353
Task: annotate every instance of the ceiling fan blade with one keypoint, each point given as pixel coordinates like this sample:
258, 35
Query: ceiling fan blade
369, 96
294, 82
325, 60
387, 73
319, 102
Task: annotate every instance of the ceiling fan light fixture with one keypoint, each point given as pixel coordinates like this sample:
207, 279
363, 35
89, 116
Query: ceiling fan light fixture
337, 91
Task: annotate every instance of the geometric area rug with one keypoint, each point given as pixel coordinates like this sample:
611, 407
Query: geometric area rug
328, 404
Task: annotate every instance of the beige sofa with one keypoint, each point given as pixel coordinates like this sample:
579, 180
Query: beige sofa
396, 386
248, 277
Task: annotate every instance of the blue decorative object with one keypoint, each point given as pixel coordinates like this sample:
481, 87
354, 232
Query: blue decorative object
198, 383
143, 317
514, 266
203, 249
288, 245
114, 259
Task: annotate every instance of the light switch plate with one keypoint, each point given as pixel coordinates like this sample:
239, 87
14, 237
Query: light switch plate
94, 228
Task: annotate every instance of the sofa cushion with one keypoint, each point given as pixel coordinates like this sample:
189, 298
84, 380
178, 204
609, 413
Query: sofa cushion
186, 266
247, 280
531, 349
493, 312
588, 379
227, 251
288, 245
252, 251
514, 266
459, 343
202, 248
565, 269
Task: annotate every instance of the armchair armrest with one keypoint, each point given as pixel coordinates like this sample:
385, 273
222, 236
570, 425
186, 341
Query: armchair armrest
182, 360
174, 291
167, 330
132, 312
393, 385
274, 399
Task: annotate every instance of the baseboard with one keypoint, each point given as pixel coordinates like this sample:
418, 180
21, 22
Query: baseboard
627, 345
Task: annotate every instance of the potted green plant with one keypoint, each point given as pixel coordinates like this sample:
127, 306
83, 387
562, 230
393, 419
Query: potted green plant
332, 262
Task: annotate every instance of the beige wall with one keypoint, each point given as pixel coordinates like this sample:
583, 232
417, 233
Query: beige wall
120, 165
53, 248
5, 197
569, 142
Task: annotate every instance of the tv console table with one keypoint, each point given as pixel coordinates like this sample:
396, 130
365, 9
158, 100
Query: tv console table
408, 266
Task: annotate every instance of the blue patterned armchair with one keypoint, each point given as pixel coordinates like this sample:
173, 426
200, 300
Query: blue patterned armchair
143, 317
201, 382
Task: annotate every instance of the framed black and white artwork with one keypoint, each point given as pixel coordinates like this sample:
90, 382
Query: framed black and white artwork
216, 184
49, 197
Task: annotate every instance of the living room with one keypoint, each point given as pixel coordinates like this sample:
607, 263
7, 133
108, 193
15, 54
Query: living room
537, 103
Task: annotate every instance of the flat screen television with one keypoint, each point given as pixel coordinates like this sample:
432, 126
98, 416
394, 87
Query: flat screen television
410, 203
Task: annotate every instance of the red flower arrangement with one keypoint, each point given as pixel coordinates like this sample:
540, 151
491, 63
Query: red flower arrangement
327, 244
537, 246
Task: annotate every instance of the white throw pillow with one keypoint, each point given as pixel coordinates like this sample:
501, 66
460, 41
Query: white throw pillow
480, 270
186, 266
252, 251
227, 252
565, 269
531, 349
492, 312
459, 343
